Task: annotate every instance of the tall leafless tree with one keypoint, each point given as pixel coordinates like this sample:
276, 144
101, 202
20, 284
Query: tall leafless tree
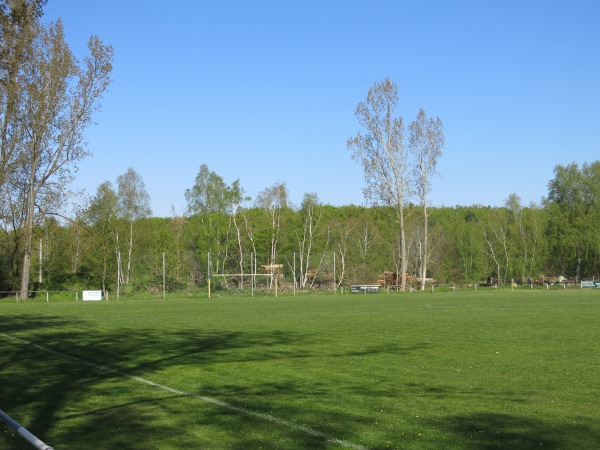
426, 140
382, 153
134, 204
311, 218
273, 200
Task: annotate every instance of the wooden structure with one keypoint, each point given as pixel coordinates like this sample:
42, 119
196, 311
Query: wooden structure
274, 269
389, 278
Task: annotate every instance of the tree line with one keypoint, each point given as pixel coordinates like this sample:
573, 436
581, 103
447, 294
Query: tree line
321, 244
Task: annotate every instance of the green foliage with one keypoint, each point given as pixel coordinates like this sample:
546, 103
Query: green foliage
467, 244
210, 194
573, 226
365, 242
100, 262
47, 100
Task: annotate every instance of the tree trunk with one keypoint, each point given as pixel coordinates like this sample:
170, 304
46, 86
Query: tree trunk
425, 248
241, 249
104, 273
404, 262
129, 252
23, 294
25, 272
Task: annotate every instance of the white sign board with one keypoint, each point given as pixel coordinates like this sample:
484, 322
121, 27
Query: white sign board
92, 295
590, 284
364, 288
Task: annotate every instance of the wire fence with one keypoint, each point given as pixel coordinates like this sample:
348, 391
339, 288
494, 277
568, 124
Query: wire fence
267, 284
47, 295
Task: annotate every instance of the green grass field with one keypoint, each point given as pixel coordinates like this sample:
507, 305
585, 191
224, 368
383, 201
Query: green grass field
464, 370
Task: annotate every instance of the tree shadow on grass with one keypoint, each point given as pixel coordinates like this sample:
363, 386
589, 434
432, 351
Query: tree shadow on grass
492, 431
83, 396
71, 386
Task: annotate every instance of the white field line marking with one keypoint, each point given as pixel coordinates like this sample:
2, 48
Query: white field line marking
214, 401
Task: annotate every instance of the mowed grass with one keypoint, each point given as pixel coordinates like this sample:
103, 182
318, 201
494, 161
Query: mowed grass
464, 370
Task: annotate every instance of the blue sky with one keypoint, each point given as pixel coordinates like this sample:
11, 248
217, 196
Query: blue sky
265, 91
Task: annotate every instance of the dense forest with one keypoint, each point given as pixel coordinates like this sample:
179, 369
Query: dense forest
318, 244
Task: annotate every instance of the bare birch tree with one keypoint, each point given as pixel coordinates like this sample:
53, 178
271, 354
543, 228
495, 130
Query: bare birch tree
426, 140
363, 239
273, 200
310, 227
343, 229
382, 153
236, 200
134, 204
497, 243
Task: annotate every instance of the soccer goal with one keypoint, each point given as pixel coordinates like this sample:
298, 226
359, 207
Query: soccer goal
239, 279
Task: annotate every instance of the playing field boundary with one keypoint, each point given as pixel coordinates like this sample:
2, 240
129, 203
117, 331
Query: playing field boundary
214, 401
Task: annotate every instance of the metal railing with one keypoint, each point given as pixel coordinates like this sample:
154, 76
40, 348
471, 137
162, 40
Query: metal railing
37, 295
24, 433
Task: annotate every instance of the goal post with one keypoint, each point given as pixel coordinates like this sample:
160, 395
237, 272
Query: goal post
249, 275
272, 272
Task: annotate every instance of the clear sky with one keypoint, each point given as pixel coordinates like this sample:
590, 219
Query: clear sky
265, 91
